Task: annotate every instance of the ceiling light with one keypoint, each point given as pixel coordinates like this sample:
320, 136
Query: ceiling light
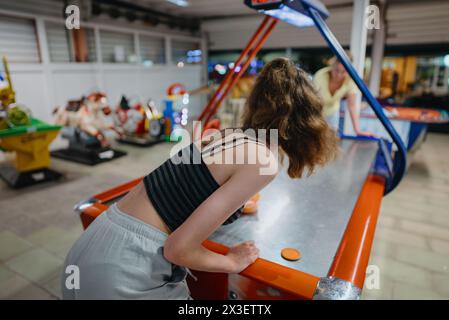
180, 3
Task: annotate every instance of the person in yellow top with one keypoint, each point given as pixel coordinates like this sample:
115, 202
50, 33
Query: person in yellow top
334, 84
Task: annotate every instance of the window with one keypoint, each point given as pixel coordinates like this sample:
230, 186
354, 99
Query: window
18, 40
186, 52
58, 40
84, 45
70, 45
152, 50
117, 47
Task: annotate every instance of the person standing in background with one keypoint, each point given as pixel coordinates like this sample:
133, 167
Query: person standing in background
334, 84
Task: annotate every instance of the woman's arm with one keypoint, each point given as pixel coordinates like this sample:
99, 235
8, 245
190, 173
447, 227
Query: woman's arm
184, 246
355, 116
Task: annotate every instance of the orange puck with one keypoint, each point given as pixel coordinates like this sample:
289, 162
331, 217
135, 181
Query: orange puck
290, 254
250, 207
255, 197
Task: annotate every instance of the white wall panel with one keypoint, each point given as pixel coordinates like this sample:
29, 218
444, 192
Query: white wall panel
118, 82
18, 39
110, 40
58, 42
29, 88
152, 49
65, 83
42, 86
71, 85
153, 84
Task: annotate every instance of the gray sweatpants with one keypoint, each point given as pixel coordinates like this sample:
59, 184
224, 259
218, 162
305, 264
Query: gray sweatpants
120, 257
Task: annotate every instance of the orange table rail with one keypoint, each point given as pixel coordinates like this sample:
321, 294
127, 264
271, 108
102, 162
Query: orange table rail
413, 115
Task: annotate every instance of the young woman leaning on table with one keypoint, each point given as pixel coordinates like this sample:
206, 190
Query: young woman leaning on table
334, 84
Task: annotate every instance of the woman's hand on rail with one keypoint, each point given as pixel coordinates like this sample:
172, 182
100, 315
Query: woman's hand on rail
365, 133
184, 246
243, 255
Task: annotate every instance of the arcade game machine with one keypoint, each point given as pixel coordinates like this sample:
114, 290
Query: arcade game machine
410, 120
411, 123
326, 220
88, 125
27, 137
176, 111
143, 125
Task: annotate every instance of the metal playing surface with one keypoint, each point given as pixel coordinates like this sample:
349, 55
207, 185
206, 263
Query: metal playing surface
309, 214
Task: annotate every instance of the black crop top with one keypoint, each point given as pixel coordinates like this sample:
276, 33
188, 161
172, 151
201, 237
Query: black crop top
178, 186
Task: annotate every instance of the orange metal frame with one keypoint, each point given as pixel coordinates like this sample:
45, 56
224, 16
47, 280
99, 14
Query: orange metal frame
349, 264
234, 74
352, 256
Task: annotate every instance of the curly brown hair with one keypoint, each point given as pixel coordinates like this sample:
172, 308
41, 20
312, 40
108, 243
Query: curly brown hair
284, 98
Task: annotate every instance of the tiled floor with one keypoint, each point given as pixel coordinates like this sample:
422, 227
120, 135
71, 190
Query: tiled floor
38, 226
411, 246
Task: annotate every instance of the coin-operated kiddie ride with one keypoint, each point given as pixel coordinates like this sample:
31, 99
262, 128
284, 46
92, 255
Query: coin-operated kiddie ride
176, 111
314, 234
142, 124
145, 125
89, 125
27, 137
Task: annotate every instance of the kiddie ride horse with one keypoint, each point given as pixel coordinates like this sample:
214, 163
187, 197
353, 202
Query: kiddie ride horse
143, 125
89, 125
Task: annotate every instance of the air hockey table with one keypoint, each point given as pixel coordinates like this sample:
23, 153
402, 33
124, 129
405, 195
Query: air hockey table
330, 217
411, 123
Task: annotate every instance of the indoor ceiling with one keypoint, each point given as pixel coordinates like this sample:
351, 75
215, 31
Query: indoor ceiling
212, 8
220, 8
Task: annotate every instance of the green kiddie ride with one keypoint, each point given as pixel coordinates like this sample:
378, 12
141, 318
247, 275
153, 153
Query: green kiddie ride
25, 136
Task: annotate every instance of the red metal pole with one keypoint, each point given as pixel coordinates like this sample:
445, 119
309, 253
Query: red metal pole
231, 72
237, 62
236, 76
